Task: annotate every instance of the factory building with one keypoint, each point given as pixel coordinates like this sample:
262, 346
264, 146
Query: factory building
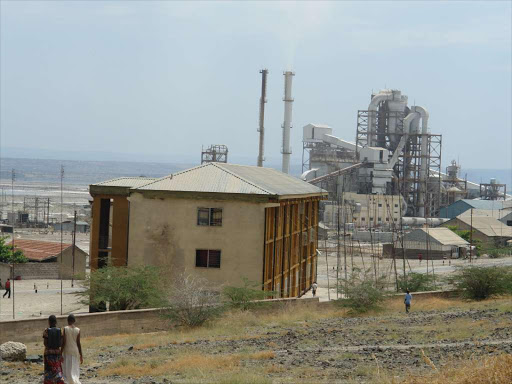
490, 231
428, 243
461, 206
217, 221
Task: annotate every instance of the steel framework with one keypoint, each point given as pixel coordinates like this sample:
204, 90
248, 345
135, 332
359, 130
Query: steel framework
215, 153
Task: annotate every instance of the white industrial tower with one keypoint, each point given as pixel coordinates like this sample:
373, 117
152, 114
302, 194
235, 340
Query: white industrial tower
286, 150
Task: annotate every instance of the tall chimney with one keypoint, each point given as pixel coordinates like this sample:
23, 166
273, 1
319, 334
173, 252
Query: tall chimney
261, 128
286, 150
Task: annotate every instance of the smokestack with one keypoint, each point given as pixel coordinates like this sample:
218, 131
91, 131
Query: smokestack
261, 128
287, 124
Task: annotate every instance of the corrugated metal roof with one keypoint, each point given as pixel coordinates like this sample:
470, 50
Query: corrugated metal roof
231, 178
130, 182
486, 204
36, 250
441, 235
489, 226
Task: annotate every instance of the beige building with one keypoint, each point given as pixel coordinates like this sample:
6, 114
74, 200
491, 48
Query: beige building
366, 210
218, 221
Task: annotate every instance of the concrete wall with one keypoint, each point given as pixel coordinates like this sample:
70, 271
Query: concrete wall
28, 271
108, 323
164, 232
5, 273
90, 324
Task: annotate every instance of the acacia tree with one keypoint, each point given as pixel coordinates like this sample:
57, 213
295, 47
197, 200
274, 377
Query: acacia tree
8, 256
123, 288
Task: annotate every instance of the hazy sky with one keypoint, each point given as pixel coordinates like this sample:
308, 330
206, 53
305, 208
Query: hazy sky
163, 78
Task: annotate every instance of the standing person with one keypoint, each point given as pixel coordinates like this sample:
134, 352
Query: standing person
313, 288
7, 288
52, 355
72, 352
407, 301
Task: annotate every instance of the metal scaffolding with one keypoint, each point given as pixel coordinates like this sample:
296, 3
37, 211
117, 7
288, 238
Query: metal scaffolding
215, 153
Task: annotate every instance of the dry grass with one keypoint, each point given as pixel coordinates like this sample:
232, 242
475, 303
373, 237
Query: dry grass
183, 364
419, 304
492, 370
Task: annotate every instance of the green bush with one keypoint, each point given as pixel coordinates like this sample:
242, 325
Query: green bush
363, 292
124, 288
416, 282
496, 253
245, 297
479, 283
7, 256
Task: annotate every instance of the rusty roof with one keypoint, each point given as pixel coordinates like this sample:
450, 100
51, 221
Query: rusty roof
36, 250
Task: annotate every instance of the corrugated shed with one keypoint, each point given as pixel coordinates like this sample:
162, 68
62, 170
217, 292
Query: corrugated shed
489, 226
441, 235
235, 179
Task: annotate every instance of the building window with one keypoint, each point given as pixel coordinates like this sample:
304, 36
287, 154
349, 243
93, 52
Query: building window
209, 217
396, 205
395, 219
387, 218
207, 258
363, 219
379, 219
380, 205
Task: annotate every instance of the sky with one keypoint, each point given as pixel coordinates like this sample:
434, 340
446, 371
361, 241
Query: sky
158, 80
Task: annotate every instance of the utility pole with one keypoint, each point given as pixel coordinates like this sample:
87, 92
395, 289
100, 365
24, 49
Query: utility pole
61, 204
13, 177
471, 239
74, 245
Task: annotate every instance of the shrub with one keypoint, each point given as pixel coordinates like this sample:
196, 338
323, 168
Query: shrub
7, 256
479, 283
244, 297
416, 282
123, 288
363, 292
191, 301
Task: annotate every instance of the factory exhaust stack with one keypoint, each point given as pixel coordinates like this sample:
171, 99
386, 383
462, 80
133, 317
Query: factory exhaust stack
287, 124
261, 129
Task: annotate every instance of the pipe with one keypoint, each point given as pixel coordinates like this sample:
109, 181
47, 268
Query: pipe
424, 159
286, 150
372, 113
261, 128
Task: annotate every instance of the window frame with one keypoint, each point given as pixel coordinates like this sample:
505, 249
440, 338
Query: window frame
208, 264
210, 221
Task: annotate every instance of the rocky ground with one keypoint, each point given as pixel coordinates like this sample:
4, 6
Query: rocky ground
305, 347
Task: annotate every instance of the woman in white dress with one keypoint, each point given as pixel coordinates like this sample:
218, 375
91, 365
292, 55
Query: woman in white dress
71, 352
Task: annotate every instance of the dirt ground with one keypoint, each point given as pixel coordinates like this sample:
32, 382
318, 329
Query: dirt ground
298, 345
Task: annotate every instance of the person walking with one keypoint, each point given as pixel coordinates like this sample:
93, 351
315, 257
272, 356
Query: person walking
7, 288
72, 352
52, 354
314, 288
407, 301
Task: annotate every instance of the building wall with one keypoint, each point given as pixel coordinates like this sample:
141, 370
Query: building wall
5, 273
291, 240
454, 210
376, 210
67, 263
36, 270
164, 232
